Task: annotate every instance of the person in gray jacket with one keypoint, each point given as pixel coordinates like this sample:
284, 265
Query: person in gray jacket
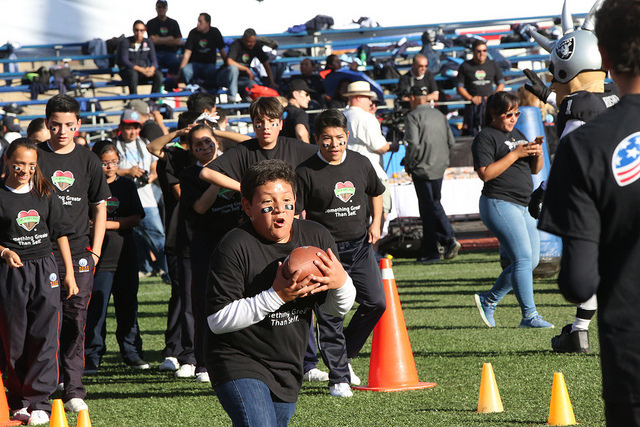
429, 138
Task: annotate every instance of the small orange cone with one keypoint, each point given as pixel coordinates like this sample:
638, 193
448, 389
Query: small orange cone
489, 400
392, 367
58, 417
83, 419
5, 417
560, 409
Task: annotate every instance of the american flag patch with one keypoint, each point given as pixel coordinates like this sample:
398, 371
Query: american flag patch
626, 160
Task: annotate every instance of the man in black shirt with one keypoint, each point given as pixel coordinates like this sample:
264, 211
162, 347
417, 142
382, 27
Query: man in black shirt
476, 78
314, 81
199, 60
137, 60
165, 34
591, 201
266, 114
418, 75
239, 77
296, 121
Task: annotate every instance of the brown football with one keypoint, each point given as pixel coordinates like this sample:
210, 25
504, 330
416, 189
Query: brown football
302, 259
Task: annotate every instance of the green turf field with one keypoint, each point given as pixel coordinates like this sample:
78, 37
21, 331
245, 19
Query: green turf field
450, 344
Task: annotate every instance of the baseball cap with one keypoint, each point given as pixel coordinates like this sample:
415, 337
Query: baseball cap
139, 105
131, 116
300, 84
419, 91
12, 123
164, 2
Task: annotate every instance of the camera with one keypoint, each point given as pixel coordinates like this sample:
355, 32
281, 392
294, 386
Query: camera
142, 179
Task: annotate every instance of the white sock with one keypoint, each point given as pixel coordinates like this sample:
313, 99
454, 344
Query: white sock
580, 324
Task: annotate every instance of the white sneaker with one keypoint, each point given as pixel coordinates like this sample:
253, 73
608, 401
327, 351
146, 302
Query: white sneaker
169, 364
315, 375
75, 405
354, 378
340, 390
38, 417
203, 377
21, 415
186, 371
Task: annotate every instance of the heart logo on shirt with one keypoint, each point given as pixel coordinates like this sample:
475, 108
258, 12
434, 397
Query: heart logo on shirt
62, 179
344, 190
481, 74
28, 219
112, 204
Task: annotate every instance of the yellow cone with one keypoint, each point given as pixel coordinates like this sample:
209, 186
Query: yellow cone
83, 419
489, 400
560, 409
58, 417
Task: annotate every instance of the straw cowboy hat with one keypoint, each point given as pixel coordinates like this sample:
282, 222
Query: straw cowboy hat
360, 88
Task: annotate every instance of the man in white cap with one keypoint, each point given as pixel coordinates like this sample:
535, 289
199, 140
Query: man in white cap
365, 135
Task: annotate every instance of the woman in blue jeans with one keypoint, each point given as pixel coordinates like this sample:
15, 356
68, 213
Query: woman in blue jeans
505, 160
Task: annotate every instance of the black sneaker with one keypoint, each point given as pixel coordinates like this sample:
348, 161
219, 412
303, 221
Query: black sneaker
571, 342
451, 250
137, 364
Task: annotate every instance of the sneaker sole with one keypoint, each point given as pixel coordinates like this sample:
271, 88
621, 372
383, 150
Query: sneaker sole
476, 298
453, 252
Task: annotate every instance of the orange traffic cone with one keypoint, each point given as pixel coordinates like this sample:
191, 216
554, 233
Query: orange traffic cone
58, 417
489, 400
560, 409
392, 367
83, 419
5, 417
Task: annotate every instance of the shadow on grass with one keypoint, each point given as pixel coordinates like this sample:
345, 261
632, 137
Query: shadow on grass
417, 354
96, 395
444, 328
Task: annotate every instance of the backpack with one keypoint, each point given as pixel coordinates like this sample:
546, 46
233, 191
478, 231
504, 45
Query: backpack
404, 239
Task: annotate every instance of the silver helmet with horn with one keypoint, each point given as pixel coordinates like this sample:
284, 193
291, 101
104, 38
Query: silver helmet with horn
576, 51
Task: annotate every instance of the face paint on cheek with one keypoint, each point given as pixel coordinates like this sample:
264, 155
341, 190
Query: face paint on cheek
288, 207
267, 209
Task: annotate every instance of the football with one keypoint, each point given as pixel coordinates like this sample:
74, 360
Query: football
302, 259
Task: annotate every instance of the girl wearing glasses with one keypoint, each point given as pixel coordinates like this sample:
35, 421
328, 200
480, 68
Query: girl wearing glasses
505, 160
31, 216
209, 211
117, 271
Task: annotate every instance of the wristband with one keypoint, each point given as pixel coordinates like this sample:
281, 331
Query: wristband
2, 253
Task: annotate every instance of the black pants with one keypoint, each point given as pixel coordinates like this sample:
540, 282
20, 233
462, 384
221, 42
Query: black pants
131, 78
74, 319
201, 250
29, 322
336, 344
473, 117
178, 337
436, 227
622, 414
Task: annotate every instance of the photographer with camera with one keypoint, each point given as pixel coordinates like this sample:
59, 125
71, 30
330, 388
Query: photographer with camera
137, 163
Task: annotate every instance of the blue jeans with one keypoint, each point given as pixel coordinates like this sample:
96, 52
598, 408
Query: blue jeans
151, 232
169, 60
249, 403
231, 78
520, 242
198, 71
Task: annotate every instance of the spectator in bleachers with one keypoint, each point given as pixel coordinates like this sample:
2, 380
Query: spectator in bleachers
476, 79
239, 77
296, 121
137, 163
419, 75
338, 99
137, 60
37, 131
11, 128
152, 123
313, 80
199, 60
332, 63
165, 34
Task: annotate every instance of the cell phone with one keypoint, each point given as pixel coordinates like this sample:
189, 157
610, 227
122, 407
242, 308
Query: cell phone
539, 140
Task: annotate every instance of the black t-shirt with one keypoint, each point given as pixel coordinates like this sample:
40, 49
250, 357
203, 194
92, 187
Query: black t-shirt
239, 53
119, 244
29, 223
223, 215
79, 183
169, 27
593, 195
203, 46
583, 106
337, 196
169, 168
294, 116
479, 79
240, 157
407, 81
514, 184
243, 265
